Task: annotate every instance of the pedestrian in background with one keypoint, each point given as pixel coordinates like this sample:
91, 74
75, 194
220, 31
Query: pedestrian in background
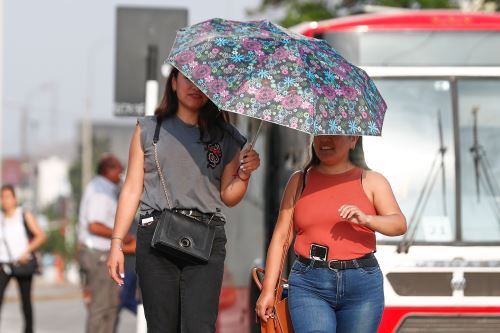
97, 214
20, 237
335, 284
204, 170
128, 292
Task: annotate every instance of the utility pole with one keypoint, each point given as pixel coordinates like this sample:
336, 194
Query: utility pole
86, 130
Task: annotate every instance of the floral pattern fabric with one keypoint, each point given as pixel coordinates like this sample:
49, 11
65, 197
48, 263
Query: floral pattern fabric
265, 71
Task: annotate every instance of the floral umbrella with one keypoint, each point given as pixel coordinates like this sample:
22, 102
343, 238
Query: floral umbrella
264, 71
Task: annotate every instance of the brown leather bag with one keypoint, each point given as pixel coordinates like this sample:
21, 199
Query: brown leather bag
280, 321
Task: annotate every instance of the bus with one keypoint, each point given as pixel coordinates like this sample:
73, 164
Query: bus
439, 72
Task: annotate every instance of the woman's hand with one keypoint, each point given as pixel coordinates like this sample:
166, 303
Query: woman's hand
25, 258
116, 263
236, 174
249, 161
354, 214
264, 306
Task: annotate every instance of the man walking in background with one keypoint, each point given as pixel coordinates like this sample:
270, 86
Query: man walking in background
96, 219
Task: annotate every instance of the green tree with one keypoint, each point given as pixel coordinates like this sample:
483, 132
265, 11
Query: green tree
56, 244
304, 11
272, 2
424, 4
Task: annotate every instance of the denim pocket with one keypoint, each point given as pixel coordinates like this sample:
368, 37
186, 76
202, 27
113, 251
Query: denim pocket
300, 268
370, 270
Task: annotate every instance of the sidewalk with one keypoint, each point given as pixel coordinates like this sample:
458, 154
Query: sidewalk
58, 308
44, 291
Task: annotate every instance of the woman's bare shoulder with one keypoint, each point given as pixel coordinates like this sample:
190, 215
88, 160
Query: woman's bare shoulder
374, 179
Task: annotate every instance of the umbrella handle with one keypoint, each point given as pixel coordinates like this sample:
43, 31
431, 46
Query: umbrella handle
254, 139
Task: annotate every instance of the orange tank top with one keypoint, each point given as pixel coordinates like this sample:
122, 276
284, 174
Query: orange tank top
317, 220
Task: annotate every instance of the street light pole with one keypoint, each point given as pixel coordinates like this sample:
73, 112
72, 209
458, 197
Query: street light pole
151, 80
86, 130
87, 127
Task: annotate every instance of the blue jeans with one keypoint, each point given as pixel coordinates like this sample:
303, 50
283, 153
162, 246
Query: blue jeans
322, 300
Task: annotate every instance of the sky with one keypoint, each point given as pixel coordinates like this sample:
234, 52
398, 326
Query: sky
51, 46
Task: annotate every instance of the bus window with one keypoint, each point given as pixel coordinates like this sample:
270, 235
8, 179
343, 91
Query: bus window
418, 48
409, 147
480, 159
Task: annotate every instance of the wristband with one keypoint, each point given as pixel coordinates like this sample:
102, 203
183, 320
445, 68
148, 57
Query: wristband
121, 243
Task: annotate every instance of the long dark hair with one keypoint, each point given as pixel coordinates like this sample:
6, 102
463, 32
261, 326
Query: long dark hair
211, 121
356, 156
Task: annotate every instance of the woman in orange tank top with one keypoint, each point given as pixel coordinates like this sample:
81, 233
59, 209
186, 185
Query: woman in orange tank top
335, 284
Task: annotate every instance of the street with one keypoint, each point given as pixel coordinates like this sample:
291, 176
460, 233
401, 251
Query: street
57, 308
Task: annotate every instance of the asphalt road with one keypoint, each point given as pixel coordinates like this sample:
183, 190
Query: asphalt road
57, 309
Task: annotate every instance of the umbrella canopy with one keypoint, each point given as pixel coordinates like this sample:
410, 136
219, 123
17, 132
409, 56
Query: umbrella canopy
265, 71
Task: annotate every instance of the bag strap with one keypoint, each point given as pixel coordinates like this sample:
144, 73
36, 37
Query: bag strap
157, 130
298, 193
29, 233
155, 145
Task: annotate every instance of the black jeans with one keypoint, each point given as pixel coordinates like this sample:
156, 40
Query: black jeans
179, 297
25, 291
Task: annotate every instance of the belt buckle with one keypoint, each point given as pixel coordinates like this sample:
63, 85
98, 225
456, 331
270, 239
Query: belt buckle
185, 212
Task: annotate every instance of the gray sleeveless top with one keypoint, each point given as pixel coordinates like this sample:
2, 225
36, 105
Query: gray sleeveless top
192, 169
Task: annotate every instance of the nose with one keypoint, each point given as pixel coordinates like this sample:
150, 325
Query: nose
191, 85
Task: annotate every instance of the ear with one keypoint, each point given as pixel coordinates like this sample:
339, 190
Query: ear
354, 141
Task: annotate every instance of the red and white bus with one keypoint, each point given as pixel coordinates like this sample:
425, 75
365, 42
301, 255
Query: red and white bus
439, 72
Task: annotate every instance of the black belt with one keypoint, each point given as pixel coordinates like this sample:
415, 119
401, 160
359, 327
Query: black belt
367, 260
210, 218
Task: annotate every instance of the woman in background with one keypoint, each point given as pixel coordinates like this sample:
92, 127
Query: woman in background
20, 237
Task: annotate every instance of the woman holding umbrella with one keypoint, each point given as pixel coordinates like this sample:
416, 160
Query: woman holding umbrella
335, 284
204, 169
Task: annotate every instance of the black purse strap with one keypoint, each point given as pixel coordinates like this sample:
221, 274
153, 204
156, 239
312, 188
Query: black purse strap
156, 138
157, 131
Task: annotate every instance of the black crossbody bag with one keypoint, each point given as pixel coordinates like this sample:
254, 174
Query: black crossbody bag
185, 237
